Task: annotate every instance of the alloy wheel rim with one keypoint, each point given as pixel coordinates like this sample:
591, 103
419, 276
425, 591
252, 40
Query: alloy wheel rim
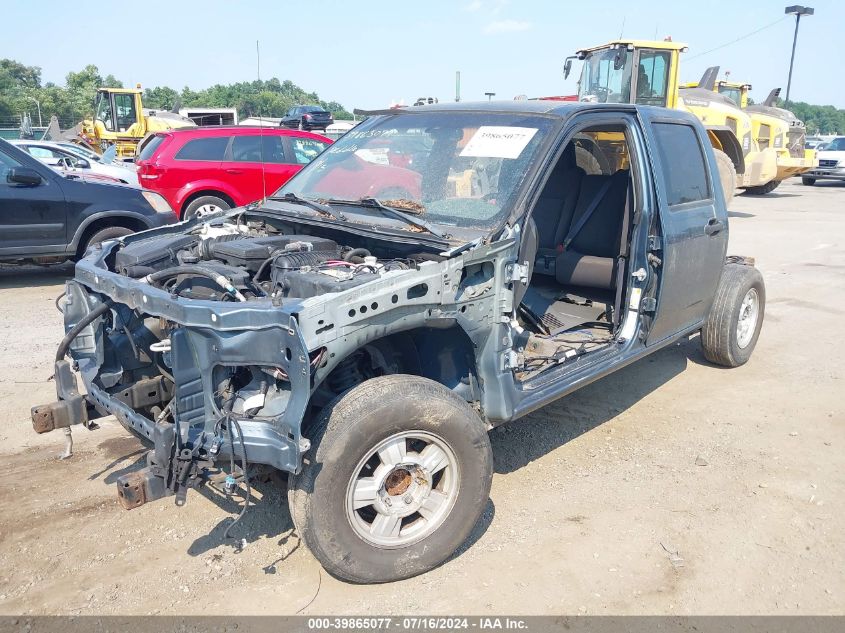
205, 209
749, 312
402, 490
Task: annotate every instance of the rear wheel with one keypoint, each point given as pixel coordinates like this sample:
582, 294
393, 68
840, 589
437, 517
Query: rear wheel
763, 189
205, 205
727, 173
808, 181
398, 475
733, 326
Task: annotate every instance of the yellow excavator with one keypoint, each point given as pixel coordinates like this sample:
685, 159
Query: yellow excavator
120, 119
771, 127
646, 72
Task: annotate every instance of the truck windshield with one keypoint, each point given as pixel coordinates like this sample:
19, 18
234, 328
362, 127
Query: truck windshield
452, 168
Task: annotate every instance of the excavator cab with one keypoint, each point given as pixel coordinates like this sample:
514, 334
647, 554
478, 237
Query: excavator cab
631, 72
117, 110
646, 72
119, 119
735, 91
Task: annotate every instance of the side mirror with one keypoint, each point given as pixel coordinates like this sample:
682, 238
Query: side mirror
24, 176
82, 163
567, 67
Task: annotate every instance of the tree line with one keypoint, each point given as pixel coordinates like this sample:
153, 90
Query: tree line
818, 119
22, 91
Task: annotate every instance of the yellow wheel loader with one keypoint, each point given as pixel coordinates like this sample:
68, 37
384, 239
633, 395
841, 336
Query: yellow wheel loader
646, 72
772, 127
120, 120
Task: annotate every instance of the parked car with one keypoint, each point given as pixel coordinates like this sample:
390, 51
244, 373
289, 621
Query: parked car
307, 117
67, 158
831, 163
366, 346
204, 169
46, 215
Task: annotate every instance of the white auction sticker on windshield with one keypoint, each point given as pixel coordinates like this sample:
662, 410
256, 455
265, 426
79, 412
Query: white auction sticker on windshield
498, 141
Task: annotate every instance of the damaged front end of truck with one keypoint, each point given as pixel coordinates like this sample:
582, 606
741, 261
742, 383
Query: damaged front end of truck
213, 340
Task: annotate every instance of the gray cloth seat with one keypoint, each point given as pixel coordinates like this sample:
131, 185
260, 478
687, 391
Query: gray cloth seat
554, 209
591, 258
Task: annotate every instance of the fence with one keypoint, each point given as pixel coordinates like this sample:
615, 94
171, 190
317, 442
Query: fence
12, 126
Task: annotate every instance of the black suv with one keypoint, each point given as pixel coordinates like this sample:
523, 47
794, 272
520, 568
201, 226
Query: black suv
307, 117
45, 215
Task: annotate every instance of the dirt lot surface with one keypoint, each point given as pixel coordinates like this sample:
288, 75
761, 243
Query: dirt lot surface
672, 486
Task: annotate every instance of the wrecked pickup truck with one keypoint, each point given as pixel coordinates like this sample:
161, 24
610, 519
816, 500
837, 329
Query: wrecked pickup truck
496, 257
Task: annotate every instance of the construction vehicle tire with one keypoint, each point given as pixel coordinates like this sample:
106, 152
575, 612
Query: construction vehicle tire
727, 173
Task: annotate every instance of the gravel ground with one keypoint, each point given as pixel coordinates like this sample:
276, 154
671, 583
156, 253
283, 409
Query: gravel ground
671, 487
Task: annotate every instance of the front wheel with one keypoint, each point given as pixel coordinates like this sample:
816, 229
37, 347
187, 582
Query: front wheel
733, 325
808, 181
398, 475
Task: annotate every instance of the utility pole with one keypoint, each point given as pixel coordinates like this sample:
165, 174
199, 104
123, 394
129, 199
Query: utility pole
797, 10
490, 95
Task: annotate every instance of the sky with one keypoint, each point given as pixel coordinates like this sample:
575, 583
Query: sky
372, 54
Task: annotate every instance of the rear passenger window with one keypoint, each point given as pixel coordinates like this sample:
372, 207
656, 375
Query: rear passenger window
204, 149
684, 168
254, 149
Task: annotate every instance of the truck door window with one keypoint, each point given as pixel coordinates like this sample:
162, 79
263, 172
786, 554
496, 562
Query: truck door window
684, 168
125, 106
652, 77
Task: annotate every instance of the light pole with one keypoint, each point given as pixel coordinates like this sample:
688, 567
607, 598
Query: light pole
490, 95
40, 124
797, 10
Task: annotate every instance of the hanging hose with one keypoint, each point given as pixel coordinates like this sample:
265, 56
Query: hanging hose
357, 254
231, 421
97, 312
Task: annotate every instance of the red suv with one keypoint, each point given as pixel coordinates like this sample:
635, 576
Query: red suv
205, 169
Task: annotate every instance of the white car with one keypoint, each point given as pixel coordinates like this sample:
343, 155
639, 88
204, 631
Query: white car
66, 158
831, 163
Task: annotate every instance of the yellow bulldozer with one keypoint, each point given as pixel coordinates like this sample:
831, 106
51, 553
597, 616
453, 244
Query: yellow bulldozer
120, 119
773, 127
646, 72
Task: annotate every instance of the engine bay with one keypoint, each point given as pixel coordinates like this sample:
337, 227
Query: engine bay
250, 258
